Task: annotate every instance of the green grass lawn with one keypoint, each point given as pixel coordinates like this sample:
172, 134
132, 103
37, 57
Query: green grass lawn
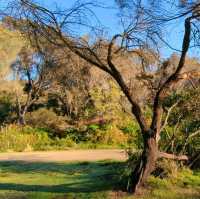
21, 180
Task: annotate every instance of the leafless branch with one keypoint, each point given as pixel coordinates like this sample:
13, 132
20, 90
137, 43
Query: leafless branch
168, 114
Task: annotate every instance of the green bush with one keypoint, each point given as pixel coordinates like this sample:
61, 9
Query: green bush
16, 138
44, 118
5, 108
63, 143
112, 136
107, 134
27, 138
133, 131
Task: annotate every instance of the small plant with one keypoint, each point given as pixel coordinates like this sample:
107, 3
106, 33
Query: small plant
166, 169
93, 127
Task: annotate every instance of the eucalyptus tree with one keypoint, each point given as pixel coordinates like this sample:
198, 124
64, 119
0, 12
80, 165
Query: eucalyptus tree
31, 72
144, 24
69, 83
10, 45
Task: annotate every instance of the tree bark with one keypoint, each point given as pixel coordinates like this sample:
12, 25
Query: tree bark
146, 164
21, 119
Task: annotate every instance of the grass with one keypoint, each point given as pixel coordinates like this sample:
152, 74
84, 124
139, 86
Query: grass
83, 180
56, 180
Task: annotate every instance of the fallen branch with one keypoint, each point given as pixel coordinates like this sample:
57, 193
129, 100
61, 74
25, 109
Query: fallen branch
173, 156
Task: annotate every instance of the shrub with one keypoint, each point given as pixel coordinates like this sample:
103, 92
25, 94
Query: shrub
5, 107
16, 138
107, 134
63, 143
113, 135
47, 119
133, 131
166, 169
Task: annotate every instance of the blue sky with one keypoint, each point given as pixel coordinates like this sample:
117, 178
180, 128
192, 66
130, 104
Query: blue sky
173, 34
109, 19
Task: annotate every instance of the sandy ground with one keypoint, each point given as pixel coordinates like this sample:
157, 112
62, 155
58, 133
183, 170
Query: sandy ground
63, 156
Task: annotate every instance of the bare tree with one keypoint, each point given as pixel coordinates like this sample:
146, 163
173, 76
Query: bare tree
142, 31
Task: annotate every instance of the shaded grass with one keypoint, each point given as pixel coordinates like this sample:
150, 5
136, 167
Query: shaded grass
52, 180
84, 180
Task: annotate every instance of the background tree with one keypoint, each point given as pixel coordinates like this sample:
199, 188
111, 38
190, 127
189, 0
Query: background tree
11, 43
31, 70
69, 83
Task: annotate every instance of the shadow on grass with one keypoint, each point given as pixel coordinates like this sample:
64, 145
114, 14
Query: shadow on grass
87, 187
42, 167
92, 177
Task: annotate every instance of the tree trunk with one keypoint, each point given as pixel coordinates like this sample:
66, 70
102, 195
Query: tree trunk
21, 119
146, 164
